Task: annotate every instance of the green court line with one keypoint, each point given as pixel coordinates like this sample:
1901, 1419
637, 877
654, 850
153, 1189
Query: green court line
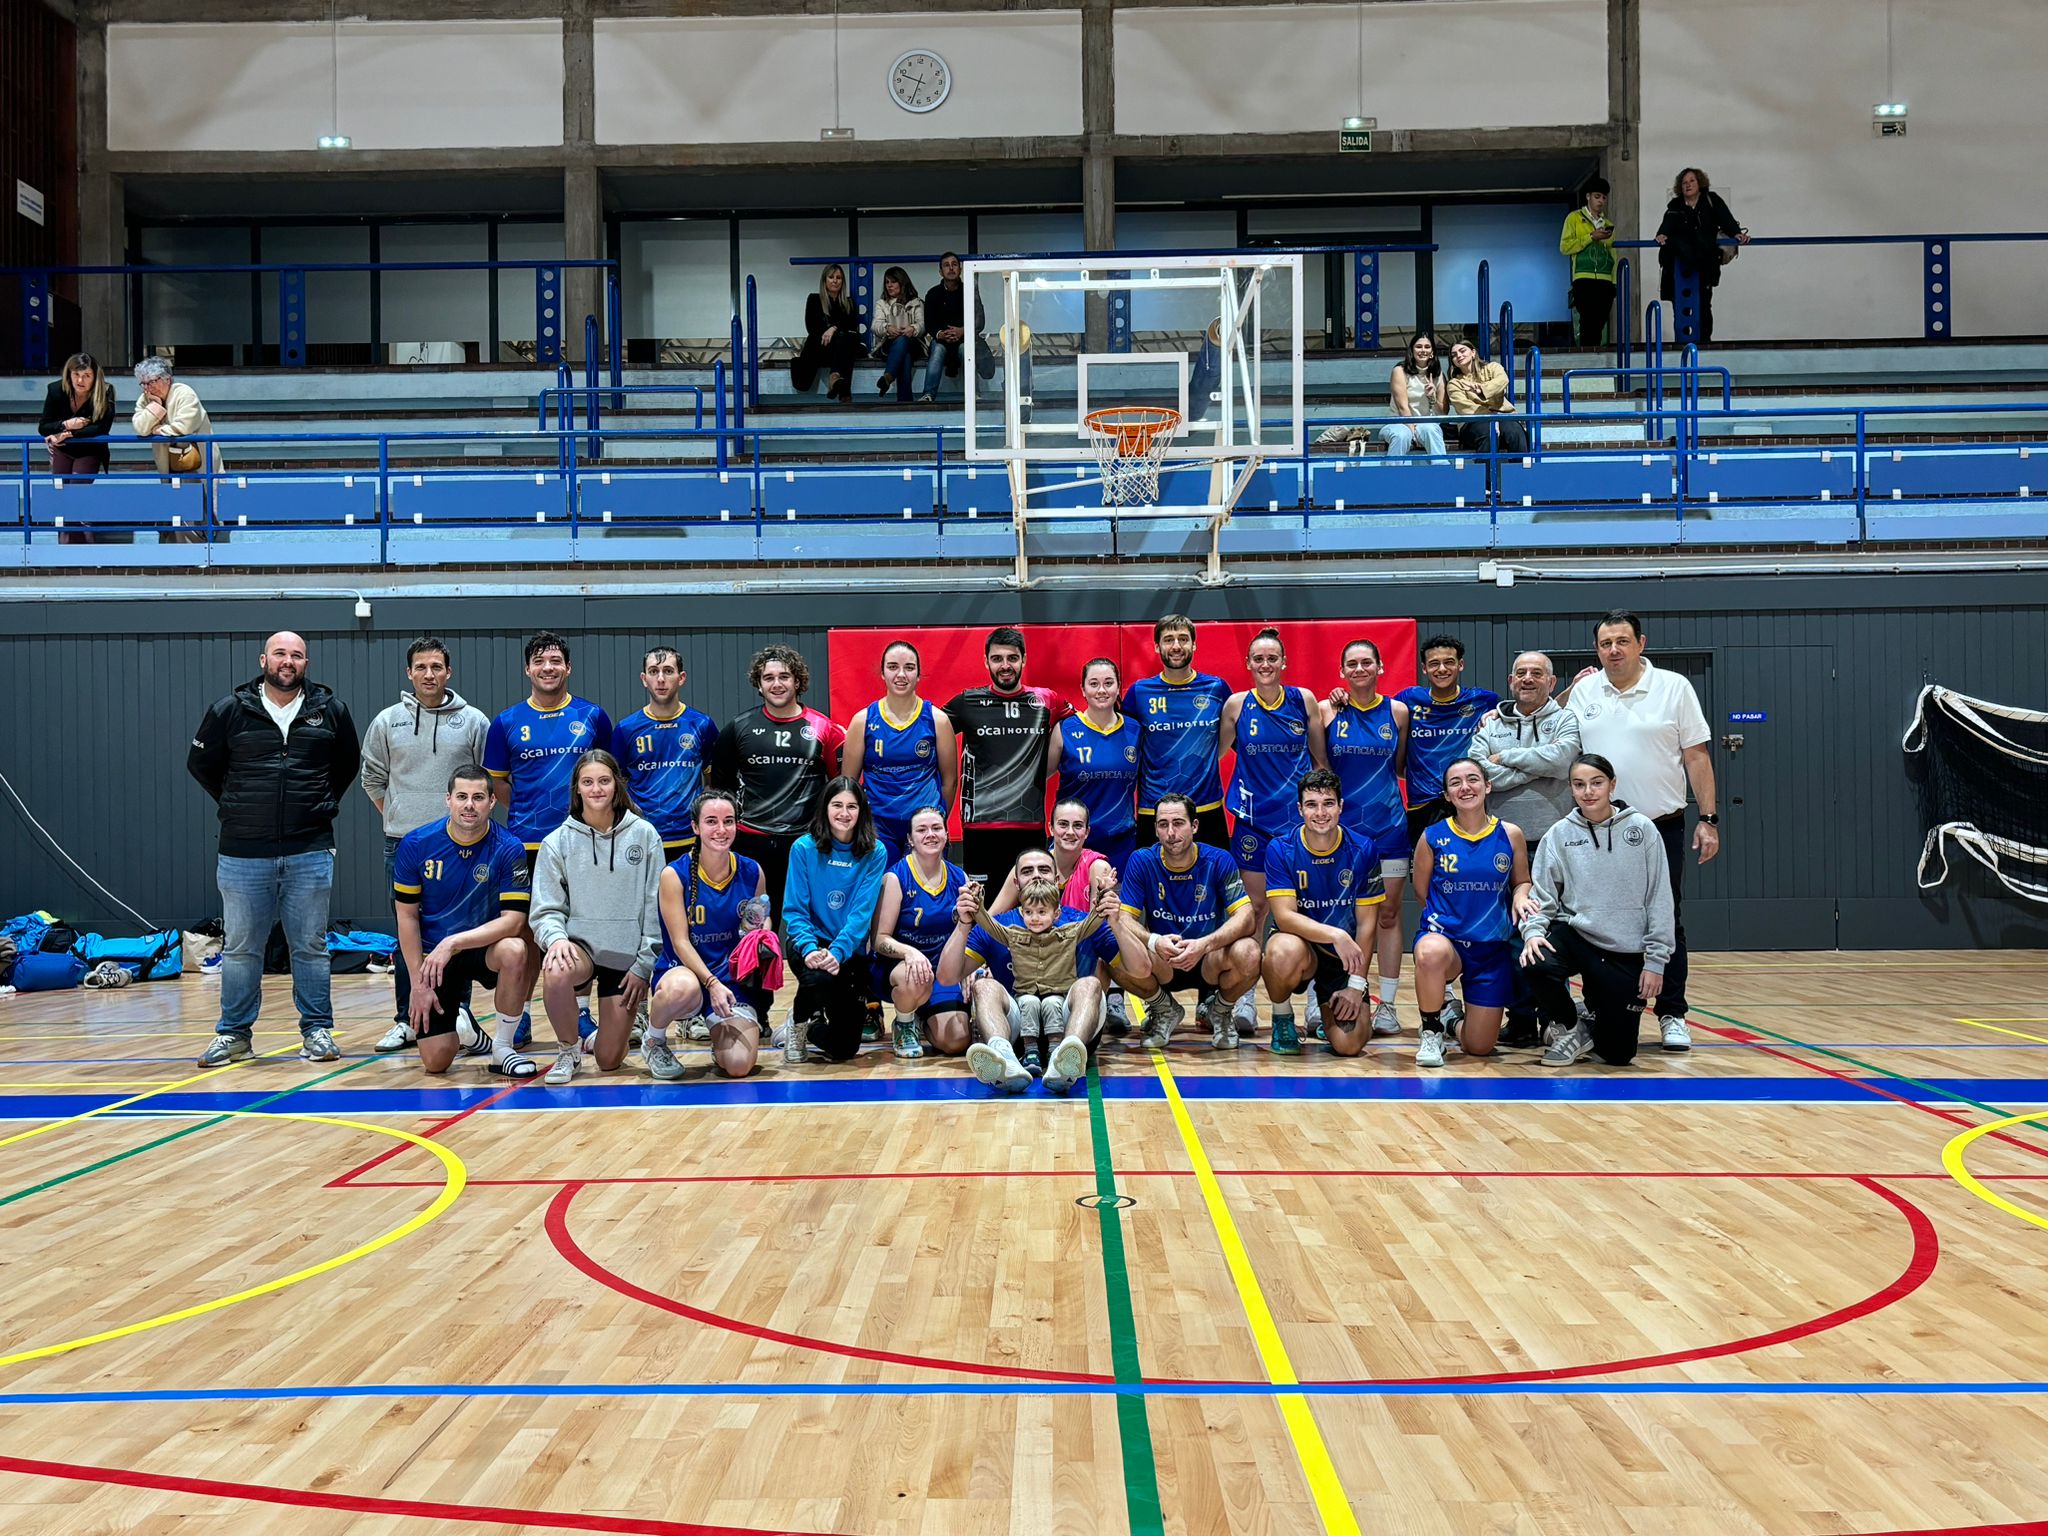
1141, 1473
161, 1141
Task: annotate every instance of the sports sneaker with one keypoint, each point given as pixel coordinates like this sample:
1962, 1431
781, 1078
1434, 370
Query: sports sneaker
1223, 1022
209, 965
1285, 1041
1552, 1033
997, 1065
903, 1039
1116, 1018
1312, 1015
1163, 1015
1571, 1047
1585, 1012
1066, 1066
399, 1037
639, 1030
1245, 1016
1032, 1056
522, 1036
563, 1072
108, 974
1453, 1010
1677, 1037
662, 1065
1520, 1035
223, 1049
697, 1029
796, 1043
586, 1030
1385, 1021
1430, 1052
319, 1046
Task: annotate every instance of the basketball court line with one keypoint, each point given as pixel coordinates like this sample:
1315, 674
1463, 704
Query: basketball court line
347, 1179
1952, 1160
1996, 1027
183, 1082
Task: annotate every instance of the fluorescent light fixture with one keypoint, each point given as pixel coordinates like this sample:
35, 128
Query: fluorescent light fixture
1889, 109
1353, 124
830, 135
334, 141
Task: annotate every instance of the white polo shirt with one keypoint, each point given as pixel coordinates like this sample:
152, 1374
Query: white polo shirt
1642, 732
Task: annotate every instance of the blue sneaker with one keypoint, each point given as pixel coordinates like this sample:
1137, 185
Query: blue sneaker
586, 1029
522, 1037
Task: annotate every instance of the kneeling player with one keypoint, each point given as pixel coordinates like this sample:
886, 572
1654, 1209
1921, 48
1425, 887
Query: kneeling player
1472, 872
913, 918
460, 894
1188, 923
710, 898
1323, 885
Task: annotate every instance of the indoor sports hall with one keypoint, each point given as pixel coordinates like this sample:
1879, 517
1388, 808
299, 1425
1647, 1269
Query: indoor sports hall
945, 768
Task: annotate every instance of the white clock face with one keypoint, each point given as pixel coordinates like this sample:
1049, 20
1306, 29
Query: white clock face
919, 80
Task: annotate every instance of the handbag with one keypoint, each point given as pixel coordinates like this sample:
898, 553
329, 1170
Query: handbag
183, 458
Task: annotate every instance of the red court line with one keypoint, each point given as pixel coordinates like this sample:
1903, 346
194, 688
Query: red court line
2004, 1528
345, 1181
472, 1514
1920, 1266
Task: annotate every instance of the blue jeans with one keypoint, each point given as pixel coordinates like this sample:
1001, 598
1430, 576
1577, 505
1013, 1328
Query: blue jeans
255, 895
899, 357
1413, 435
401, 976
935, 367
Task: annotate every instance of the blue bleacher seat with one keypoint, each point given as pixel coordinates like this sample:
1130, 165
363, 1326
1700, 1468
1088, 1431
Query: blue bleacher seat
1396, 480
900, 492
135, 501
328, 500
667, 496
538, 497
1999, 469
1578, 479
1773, 474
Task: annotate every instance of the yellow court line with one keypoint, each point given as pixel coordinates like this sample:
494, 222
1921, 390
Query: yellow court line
1952, 1160
2017, 1034
150, 1082
1314, 1455
113, 1035
183, 1082
458, 1177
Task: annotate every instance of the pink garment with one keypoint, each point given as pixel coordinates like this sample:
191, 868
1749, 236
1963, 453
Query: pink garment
758, 951
1076, 893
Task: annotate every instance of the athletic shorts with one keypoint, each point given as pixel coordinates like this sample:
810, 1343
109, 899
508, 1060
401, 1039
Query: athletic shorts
1395, 850
1117, 850
1487, 970
469, 968
1421, 818
1248, 847
610, 983
673, 850
1180, 981
943, 1000
754, 1000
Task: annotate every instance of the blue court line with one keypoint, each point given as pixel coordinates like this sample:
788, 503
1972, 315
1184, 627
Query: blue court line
1478, 1086
747, 1389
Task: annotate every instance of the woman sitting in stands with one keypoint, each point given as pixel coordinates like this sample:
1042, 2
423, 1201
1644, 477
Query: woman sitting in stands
1476, 391
78, 412
1418, 394
898, 332
831, 338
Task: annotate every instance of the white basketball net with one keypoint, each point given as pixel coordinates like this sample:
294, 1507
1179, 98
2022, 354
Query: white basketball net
1130, 443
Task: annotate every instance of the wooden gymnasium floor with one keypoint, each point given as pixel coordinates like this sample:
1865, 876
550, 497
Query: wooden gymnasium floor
1731, 1292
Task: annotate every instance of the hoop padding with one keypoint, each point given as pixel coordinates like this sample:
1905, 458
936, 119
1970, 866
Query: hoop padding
1130, 441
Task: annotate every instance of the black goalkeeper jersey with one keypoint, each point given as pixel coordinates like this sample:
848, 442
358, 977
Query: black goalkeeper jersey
777, 767
1002, 737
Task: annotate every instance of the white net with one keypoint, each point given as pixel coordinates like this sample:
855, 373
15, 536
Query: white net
1983, 783
1130, 441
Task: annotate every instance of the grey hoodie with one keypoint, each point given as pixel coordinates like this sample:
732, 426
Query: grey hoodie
409, 752
1609, 882
601, 889
1531, 784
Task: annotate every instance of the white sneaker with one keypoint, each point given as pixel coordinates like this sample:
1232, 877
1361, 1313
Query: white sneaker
796, 1043
1312, 1015
399, 1037
995, 1063
1223, 1022
1430, 1052
1245, 1016
1163, 1015
1067, 1065
1385, 1021
563, 1072
1453, 1010
1571, 1047
1677, 1037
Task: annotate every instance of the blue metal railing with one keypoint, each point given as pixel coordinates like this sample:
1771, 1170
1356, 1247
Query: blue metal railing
293, 316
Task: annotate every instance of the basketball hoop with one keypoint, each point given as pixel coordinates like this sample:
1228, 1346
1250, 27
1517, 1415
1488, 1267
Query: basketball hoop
1130, 441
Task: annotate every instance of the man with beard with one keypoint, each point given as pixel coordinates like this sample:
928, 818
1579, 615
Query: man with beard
1178, 711
276, 755
1003, 729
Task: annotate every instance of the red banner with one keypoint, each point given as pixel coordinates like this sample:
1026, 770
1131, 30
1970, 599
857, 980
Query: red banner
1055, 655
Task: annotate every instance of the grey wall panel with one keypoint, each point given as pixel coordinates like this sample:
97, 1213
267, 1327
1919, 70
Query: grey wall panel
106, 695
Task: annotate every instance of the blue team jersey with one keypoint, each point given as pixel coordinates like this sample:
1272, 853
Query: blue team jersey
1472, 885
1362, 745
899, 763
1272, 759
714, 913
1328, 887
1180, 754
459, 886
925, 919
1101, 770
1099, 948
1187, 903
1438, 735
536, 749
664, 762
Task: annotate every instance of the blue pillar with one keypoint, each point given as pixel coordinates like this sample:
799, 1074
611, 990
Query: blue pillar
1936, 257
1485, 312
1685, 304
1120, 316
35, 322
864, 296
291, 319
1365, 301
547, 315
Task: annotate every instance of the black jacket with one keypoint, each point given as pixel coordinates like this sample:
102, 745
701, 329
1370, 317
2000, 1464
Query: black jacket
1693, 239
276, 797
57, 410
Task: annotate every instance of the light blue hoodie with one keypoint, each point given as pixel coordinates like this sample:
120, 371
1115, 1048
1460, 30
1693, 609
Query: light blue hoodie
829, 901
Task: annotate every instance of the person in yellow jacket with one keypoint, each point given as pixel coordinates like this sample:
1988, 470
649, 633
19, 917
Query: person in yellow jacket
1588, 239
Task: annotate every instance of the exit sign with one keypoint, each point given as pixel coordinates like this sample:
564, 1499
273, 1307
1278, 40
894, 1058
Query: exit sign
1354, 141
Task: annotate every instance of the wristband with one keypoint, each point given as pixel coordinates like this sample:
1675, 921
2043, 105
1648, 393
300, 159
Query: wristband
1354, 983
1152, 943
